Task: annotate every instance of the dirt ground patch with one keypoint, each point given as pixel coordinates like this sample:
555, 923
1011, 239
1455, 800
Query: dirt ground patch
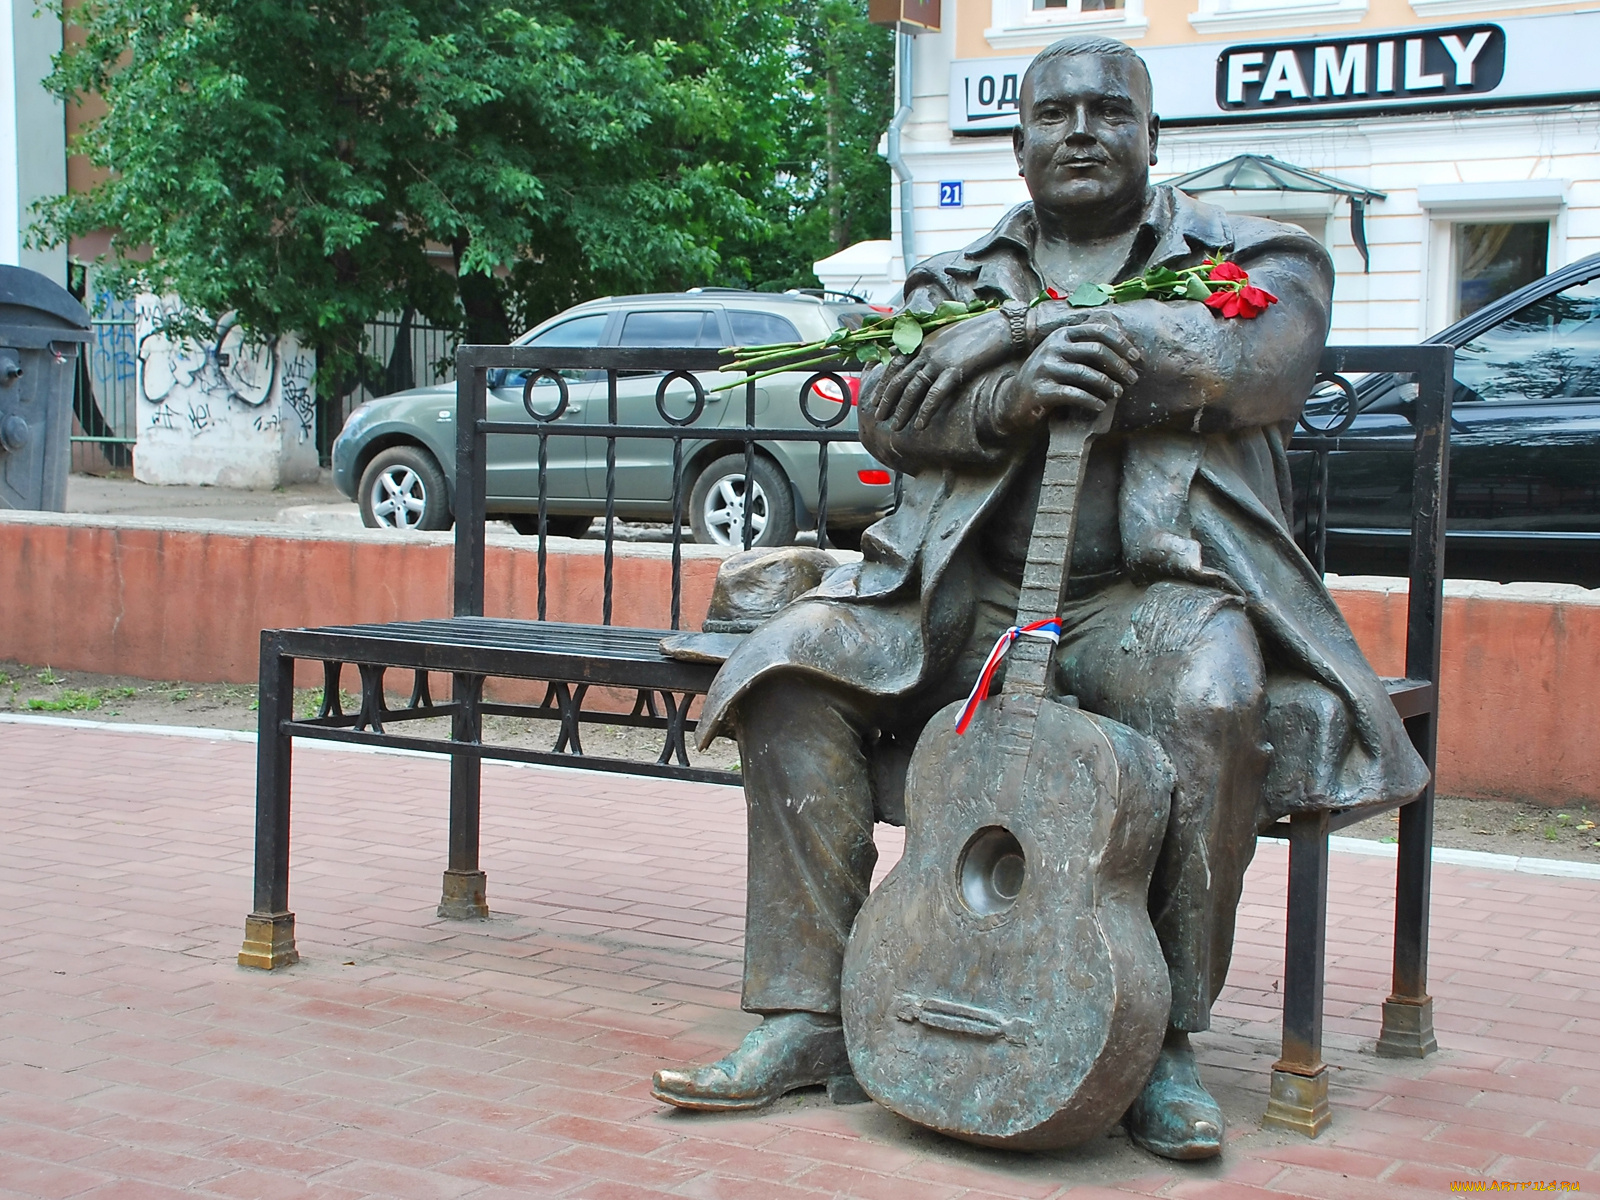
1570, 831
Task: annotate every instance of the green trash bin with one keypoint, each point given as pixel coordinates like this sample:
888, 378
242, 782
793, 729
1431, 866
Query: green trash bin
42, 332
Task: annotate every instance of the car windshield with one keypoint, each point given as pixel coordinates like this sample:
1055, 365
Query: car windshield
1548, 350
579, 333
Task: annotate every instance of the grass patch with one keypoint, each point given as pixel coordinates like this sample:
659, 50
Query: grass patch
311, 703
68, 701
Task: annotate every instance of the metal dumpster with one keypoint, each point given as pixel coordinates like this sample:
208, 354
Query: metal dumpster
42, 330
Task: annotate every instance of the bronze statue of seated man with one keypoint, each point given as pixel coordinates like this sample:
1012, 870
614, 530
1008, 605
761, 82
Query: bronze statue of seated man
1192, 616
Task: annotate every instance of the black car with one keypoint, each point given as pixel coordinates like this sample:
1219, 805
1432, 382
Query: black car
1524, 446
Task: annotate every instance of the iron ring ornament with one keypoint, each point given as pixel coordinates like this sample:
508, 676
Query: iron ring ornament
699, 398
1348, 413
555, 377
809, 388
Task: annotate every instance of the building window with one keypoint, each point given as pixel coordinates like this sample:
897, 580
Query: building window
1487, 239
1022, 24
1227, 16
1493, 259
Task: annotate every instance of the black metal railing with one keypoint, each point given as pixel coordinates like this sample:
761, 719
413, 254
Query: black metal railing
675, 366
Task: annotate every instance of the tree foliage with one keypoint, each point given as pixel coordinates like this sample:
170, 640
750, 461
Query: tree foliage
310, 164
830, 188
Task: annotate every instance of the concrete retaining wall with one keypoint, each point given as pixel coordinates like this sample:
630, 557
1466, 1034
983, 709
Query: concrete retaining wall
187, 600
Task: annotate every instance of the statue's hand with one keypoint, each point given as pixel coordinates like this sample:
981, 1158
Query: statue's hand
1082, 366
916, 387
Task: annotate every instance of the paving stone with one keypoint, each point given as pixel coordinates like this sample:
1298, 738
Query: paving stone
410, 1056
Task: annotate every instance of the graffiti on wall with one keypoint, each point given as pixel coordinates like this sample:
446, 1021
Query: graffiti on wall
200, 386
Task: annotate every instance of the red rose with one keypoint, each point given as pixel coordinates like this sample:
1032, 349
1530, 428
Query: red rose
1053, 294
1228, 272
1225, 302
1259, 297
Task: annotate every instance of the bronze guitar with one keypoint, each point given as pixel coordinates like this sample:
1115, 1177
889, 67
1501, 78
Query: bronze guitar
1004, 983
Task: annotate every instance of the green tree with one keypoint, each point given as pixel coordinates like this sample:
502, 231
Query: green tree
303, 164
485, 163
831, 188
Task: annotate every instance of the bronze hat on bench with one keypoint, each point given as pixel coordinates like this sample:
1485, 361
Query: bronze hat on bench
751, 587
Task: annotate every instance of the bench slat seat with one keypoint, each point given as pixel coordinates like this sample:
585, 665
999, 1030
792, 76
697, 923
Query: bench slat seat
604, 655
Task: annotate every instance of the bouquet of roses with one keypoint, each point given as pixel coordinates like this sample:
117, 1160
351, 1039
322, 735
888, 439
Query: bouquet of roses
1219, 284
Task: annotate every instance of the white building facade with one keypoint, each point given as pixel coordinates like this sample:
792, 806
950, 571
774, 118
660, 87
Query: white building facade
33, 133
1478, 123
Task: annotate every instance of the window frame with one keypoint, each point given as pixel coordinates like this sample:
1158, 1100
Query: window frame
1440, 281
1016, 24
1447, 205
1220, 16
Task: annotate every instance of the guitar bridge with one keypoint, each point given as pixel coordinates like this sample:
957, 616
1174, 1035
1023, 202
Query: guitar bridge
964, 1019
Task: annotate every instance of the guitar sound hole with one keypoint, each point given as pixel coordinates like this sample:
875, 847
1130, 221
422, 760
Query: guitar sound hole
991, 871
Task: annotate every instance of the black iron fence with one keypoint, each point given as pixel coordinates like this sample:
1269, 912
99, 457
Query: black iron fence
414, 354
104, 398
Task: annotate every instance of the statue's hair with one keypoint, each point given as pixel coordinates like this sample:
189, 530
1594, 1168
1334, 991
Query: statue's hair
1090, 45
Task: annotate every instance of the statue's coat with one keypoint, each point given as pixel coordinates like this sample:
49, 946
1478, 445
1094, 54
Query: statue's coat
1204, 495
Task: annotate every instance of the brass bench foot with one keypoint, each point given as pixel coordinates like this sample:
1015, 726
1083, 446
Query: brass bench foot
464, 897
1407, 1028
1298, 1103
268, 941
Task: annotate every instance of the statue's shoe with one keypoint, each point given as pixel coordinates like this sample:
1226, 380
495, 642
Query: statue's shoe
783, 1053
1175, 1116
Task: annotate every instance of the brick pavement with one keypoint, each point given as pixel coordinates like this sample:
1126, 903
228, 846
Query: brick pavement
411, 1057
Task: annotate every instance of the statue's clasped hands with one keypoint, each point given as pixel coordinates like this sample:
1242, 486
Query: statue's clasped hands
1081, 359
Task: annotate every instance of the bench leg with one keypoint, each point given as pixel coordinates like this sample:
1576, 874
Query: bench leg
269, 929
1299, 1097
1408, 1012
465, 886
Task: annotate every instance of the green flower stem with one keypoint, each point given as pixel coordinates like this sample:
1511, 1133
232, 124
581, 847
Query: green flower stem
777, 357
799, 366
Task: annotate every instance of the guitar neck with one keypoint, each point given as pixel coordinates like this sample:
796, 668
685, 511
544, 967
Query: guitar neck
1044, 577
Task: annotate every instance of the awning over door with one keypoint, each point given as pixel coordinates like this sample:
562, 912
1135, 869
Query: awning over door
1262, 173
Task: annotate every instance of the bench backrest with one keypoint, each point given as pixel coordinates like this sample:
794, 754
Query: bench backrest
684, 421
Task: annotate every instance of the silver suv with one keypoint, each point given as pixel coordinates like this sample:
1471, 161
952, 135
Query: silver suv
396, 454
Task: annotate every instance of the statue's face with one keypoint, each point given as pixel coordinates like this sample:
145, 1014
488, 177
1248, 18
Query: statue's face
1087, 137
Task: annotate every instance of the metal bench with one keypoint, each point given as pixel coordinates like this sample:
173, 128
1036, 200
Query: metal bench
571, 659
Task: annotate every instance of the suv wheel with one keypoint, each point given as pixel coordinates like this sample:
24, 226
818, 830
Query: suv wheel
403, 488
717, 504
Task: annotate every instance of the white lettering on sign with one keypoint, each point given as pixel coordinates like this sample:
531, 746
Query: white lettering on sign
1242, 69
1434, 62
1336, 76
1347, 70
1416, 78
1283, 76
1466, 55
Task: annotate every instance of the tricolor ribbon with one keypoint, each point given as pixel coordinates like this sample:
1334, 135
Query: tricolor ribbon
1049, 629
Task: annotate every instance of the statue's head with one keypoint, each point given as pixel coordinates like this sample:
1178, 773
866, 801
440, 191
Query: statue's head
1087, 137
